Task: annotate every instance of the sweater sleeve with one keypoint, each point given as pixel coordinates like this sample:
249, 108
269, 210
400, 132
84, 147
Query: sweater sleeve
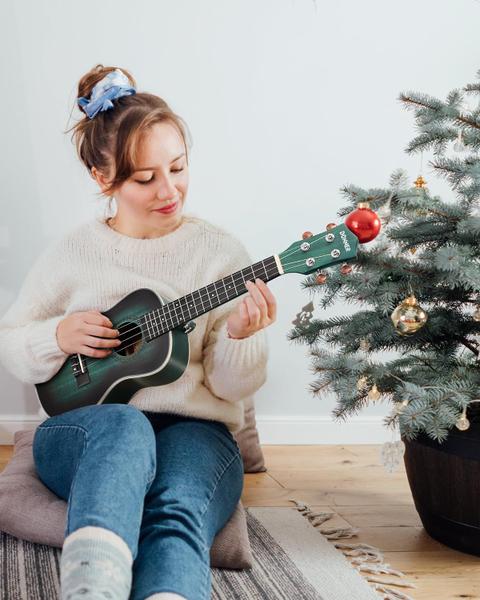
28, 342
234, 368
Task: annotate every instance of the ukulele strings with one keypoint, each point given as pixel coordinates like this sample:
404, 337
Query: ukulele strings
320, 238
171, 314
144, 329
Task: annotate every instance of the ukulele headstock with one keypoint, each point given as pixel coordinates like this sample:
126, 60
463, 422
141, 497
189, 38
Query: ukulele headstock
332, 246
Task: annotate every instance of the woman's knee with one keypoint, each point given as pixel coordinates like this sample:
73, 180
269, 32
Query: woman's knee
124, 429
57, 451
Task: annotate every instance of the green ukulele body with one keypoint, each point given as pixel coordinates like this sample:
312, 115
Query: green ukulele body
137, 363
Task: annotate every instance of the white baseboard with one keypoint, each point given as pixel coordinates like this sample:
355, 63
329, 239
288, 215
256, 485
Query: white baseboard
321, 429
281, 429
11, 423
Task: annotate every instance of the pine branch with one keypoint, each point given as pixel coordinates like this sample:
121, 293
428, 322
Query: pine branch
468, 345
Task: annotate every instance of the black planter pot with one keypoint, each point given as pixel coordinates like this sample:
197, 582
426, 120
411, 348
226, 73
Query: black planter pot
445, 484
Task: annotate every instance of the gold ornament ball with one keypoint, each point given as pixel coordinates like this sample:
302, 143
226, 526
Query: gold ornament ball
409, 317
374, 394
399, 407
364, 345
362, 383
463, 424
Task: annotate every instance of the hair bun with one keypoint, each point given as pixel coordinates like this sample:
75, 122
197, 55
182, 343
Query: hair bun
90, 79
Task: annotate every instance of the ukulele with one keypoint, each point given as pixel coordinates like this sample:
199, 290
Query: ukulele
153, 331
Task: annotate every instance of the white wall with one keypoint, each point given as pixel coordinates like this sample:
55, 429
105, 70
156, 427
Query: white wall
287, 101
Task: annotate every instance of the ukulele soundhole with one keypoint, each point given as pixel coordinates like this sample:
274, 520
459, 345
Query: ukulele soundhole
131, 338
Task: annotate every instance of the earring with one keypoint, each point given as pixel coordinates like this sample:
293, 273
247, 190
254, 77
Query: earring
110, 208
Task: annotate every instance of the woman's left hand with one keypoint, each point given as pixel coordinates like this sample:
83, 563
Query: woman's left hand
256, 311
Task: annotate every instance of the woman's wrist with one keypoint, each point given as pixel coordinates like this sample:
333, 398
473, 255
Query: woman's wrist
231, 337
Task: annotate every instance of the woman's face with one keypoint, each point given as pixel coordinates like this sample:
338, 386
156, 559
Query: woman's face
161, 180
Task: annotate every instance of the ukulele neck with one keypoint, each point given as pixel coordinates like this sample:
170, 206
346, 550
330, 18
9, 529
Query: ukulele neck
182, 310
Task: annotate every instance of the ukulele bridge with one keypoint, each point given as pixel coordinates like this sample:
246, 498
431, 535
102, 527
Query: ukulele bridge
80, 370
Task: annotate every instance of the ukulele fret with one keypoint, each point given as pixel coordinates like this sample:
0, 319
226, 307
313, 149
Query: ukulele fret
201, 300
229, 285
147, 323
184, 308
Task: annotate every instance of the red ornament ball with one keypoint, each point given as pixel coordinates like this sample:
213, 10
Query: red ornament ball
364, 223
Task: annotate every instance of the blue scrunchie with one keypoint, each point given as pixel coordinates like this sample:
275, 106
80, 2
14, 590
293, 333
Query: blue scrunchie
114, 85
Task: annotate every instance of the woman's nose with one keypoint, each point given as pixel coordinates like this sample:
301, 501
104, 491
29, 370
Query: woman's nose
166, 190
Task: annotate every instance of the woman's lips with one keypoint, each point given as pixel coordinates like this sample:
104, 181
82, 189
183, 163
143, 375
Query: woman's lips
167, 209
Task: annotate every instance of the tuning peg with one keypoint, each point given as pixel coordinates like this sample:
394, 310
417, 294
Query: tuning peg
306, 234
345, 269
331, 225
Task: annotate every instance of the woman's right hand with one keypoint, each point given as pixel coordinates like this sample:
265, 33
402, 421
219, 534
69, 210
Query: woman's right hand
86, 332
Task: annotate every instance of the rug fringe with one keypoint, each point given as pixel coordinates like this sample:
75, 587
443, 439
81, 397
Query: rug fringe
376, 568
406, 584
389, 594
368, 560
336, 534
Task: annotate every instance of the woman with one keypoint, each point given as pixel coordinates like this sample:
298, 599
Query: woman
151, 482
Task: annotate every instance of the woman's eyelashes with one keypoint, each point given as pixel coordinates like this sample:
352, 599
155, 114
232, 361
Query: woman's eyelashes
151, 178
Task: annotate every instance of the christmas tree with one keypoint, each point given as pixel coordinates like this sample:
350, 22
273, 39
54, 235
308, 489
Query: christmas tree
417, 286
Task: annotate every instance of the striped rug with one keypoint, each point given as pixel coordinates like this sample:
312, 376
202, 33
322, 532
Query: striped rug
292, 561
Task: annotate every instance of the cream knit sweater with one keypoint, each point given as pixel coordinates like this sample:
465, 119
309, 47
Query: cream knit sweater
94, 266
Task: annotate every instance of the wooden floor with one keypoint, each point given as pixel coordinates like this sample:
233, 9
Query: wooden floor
350, 482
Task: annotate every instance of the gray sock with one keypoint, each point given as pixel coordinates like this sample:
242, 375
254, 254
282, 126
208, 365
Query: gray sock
166, 596
95, 564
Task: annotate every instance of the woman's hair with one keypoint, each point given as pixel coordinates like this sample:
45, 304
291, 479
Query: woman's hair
110, 141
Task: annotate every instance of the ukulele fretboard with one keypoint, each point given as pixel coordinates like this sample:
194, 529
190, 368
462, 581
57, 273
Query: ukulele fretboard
184, 309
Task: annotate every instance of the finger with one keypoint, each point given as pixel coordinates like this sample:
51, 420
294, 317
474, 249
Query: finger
99, 342
96, 318
101, 331
259, 299
94, 353
244, 314
270, 298
253, 312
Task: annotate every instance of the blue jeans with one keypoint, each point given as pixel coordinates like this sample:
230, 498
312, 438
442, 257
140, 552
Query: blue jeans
164, 483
